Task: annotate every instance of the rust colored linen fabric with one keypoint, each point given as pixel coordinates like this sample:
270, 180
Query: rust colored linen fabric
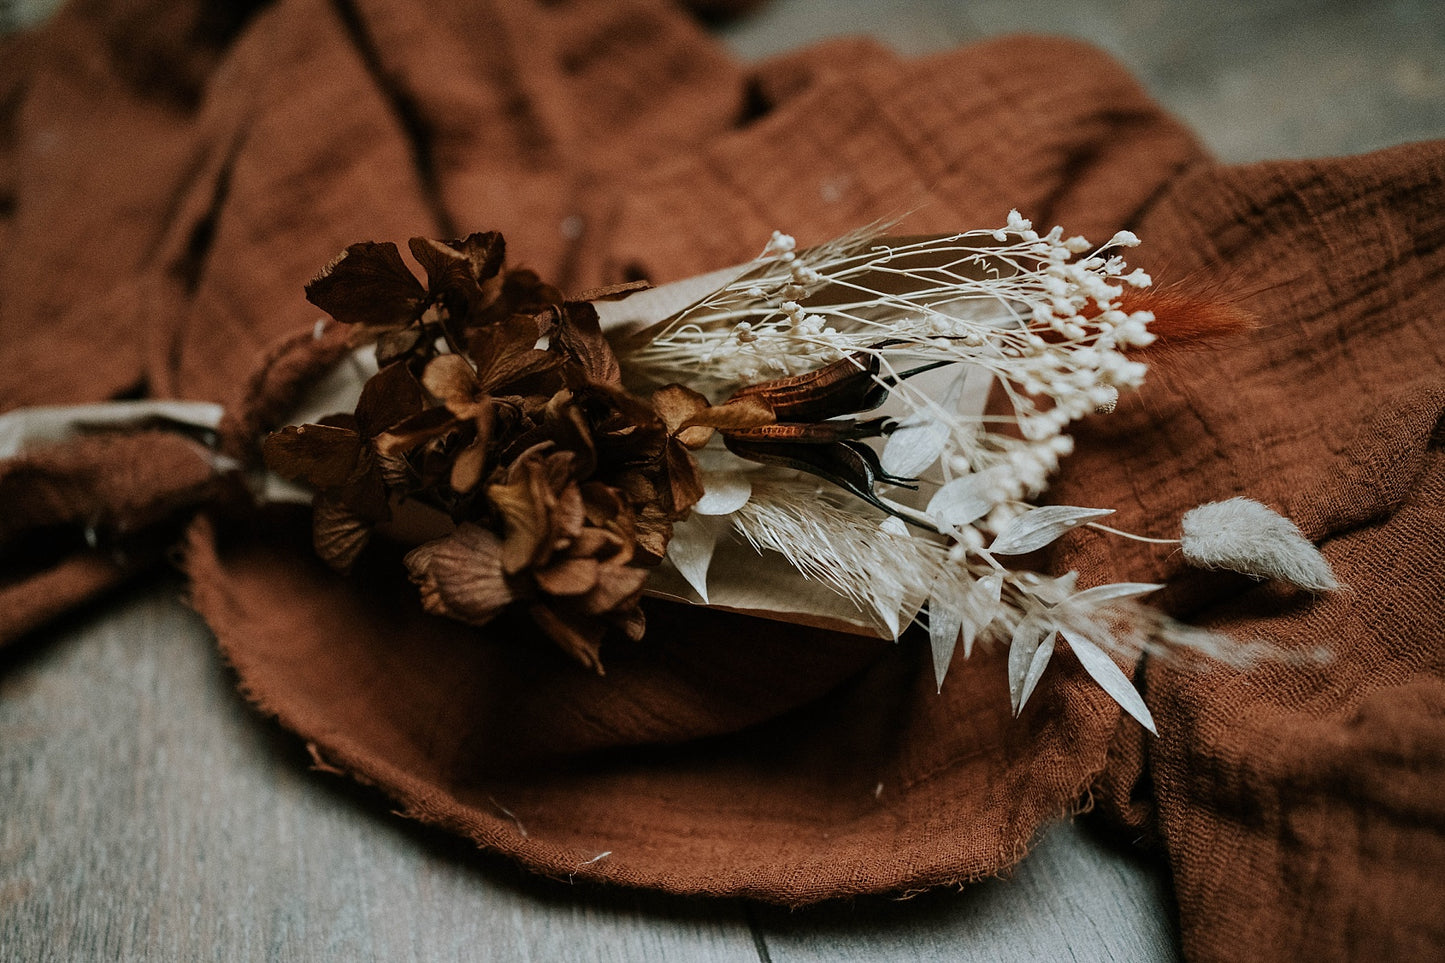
169, 183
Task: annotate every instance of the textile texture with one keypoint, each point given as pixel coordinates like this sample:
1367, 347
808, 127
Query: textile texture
172, 174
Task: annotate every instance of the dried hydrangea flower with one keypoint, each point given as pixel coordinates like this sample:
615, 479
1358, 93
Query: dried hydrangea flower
498, 406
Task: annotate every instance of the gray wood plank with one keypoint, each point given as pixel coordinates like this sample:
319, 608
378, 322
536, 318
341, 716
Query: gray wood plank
1074, 897
148, 814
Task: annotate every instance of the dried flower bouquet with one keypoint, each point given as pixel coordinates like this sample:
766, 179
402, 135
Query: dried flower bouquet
879, 413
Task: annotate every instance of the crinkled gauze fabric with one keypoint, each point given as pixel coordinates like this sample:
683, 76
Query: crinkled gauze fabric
171, 176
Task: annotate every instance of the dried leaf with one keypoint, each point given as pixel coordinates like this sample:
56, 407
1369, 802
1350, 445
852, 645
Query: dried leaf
724, 492
945, 623
916, 444
911, 449
1111, 592
613, 292
959, 608
1037, 665
1110, 678
1028, 635
980, 608
691, 549
368, 284
965, 499
894, 525
1038, 527
1242, 535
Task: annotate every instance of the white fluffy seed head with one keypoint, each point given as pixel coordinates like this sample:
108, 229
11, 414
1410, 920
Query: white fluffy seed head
1242, 535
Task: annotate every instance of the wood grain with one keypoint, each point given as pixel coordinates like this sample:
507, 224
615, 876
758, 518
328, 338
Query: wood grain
149, 814
1075, 897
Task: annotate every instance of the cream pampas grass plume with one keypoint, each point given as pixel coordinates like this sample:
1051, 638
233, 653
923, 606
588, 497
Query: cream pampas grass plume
1242, 535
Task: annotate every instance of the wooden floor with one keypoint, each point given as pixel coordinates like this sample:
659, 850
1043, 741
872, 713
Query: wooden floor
147, 813
150, 814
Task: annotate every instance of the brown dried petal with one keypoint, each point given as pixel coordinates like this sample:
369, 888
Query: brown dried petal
460, 576
568, 513
368, 284
317, 455
388, 397
684, 478
675, 404
577, 635
450, 379
654, 530
467, 469
632, 622
462, 266
694, 438
525, 523
602, 503
366, 492
415, 431
613, 292
396, 344
596, 543
617, 586
394, 469
579, 333
506, 353
566, 426
571, 576
338, 533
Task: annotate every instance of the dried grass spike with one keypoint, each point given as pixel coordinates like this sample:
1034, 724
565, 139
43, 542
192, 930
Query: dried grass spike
1242, 535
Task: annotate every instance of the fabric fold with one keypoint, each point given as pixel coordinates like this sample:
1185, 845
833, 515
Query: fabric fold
163, 203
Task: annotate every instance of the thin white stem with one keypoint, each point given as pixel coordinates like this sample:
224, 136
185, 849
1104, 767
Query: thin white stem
1131, 535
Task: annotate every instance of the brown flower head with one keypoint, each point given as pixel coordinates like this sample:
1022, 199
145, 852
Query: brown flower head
563, 546
498, 408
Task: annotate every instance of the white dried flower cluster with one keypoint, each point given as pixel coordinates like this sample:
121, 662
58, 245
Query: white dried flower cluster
1040, 313
1037, 322
1039, 309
